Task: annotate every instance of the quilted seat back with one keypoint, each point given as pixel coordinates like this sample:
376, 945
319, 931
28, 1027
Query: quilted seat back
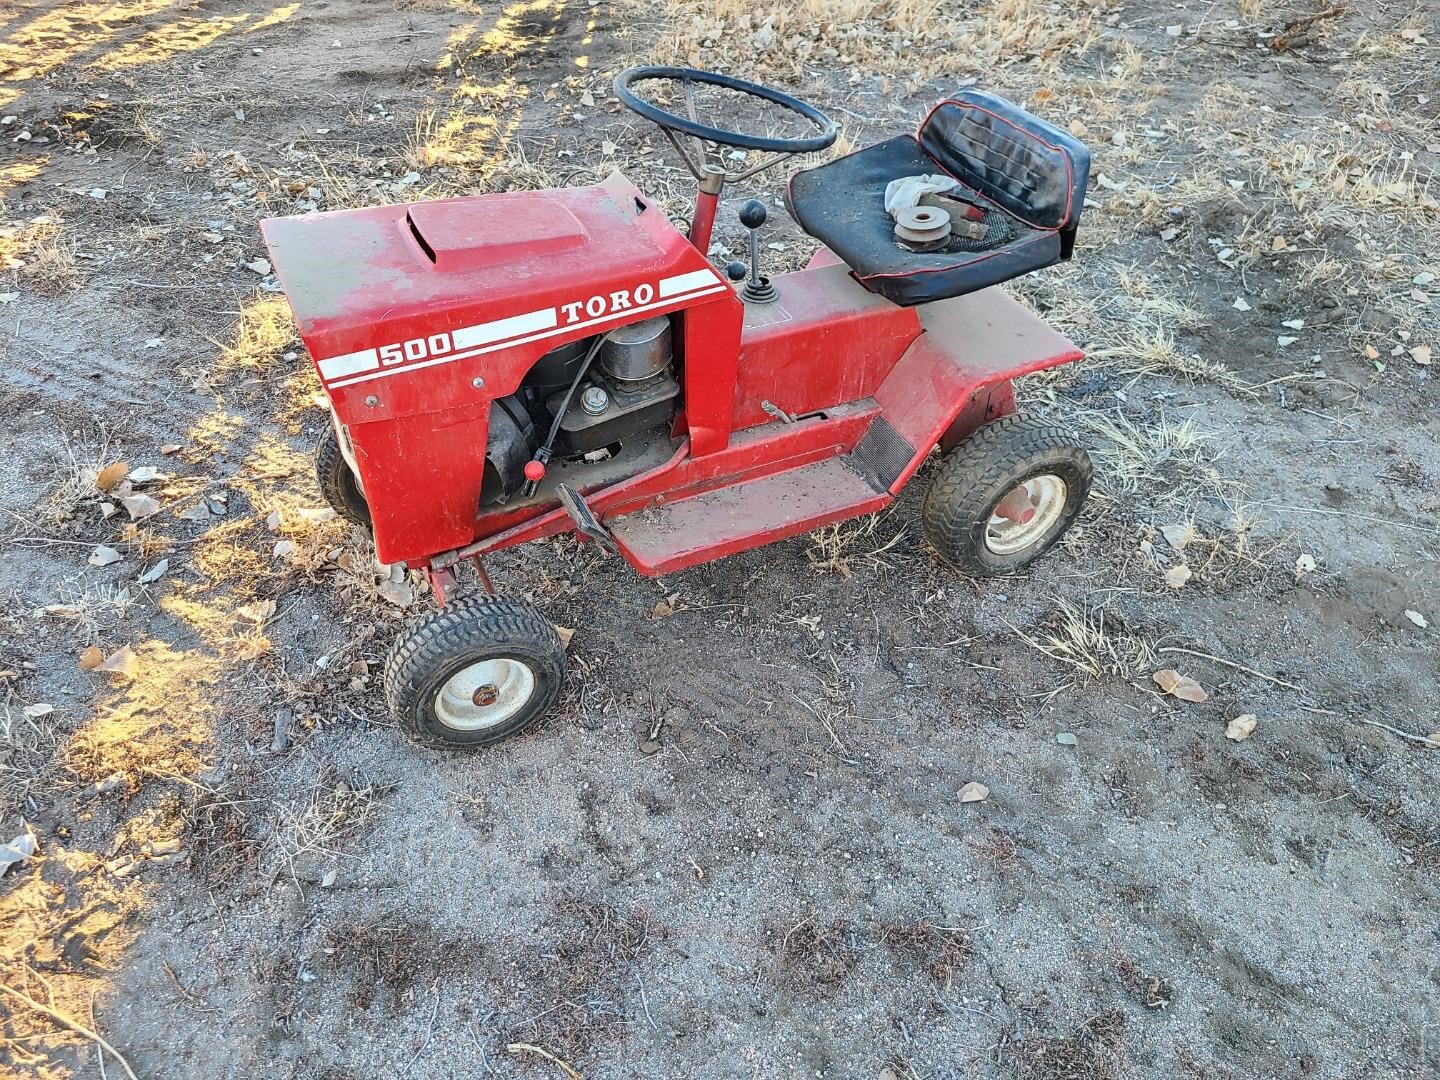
1029, 167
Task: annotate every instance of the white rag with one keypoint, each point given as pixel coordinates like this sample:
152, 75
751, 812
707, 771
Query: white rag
906, 192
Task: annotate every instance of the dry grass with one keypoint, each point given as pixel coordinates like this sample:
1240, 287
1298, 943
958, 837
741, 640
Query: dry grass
914, 39
263, 333
943, 950
76, 472
1088, 1054
818, 954
1143, 457
1141, 351
1093, 642
847, 545
336, 809
50, 267
156, 722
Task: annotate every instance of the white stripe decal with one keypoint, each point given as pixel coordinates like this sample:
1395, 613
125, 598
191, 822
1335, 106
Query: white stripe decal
707, 279
683, 283
484, 333
339, 366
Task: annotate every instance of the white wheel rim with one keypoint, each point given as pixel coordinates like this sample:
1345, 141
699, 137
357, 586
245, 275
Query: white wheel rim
1040, 500
485, 694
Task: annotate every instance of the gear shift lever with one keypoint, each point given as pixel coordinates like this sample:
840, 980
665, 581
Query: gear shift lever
758, 289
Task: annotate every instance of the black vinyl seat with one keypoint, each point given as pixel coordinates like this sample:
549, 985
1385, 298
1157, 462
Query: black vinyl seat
1028, 176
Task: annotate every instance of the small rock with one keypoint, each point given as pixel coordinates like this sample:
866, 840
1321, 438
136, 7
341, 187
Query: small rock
1241, 728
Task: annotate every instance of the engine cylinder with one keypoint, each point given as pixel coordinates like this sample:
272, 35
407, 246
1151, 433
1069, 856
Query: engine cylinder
636, 352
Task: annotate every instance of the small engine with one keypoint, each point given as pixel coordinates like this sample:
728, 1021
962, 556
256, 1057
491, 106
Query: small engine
628, 387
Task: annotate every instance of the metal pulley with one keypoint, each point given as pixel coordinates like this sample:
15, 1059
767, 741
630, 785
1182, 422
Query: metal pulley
922, 228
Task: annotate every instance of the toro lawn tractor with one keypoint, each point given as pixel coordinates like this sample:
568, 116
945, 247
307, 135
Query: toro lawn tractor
507, 367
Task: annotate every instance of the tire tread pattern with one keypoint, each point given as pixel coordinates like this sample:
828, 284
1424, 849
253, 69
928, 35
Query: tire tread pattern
966, 484
445, 634
337, 483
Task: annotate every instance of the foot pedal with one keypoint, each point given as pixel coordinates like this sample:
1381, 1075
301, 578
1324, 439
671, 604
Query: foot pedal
586, 523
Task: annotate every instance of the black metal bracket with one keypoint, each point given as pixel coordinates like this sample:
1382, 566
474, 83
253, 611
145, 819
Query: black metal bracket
586, 523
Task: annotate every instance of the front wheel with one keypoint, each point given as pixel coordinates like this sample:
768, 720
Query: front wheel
478, 671
337, 480
1005, 495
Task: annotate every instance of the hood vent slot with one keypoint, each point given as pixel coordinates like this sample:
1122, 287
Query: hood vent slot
419, 239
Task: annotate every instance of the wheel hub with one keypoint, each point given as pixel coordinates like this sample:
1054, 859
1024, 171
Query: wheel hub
485, 694
1026, 513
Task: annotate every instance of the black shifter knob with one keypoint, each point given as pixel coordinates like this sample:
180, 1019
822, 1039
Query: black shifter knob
752, 214
736, 271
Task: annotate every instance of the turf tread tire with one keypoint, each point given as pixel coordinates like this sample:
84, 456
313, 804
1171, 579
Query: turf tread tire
470, 629
978, 473
337, 481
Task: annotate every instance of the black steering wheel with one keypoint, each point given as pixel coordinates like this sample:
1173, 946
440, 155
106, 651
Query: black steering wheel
826, 132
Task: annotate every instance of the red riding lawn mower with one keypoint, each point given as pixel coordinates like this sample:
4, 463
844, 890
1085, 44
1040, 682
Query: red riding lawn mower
507, 367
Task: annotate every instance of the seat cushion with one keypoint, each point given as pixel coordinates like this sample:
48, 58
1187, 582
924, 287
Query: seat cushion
841, 204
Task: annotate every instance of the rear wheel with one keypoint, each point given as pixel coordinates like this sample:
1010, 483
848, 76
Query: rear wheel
337, 481
478, 671
1005, 495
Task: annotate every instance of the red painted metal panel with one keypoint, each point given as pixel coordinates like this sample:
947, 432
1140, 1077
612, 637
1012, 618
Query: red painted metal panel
825, 341
738, 518
419, 316
752, 454
970, 343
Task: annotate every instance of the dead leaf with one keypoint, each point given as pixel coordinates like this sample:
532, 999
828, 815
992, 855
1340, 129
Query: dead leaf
974, 791
1304, 564
90, 659
104, 556
1181, 686
1416, 618
258, 613
1177, 576
565, 633
1421, 355
154, 574
669, 606
39, 709
170, 448
122, 662
1241, 728
146, 474
140, 506
397, 592
1177, 536
111, 475
18, 850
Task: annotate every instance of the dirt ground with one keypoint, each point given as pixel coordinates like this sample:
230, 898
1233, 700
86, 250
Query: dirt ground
738, 848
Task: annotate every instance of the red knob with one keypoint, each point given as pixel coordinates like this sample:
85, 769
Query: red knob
534, 471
